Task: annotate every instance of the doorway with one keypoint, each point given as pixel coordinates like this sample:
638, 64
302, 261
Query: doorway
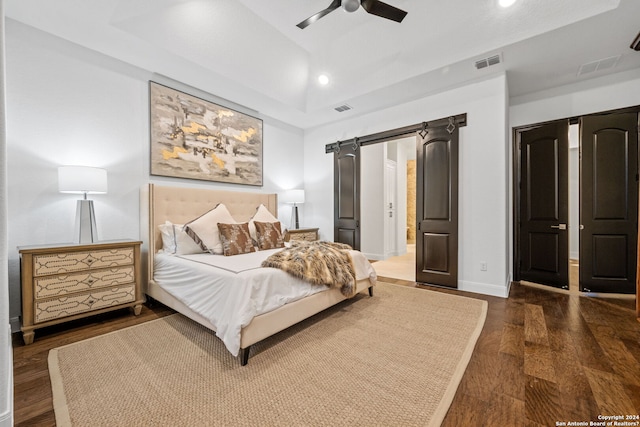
389, 221
436, 205
576, 202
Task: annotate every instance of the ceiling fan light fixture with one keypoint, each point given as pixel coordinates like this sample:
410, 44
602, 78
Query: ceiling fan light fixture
350, 5
506, 3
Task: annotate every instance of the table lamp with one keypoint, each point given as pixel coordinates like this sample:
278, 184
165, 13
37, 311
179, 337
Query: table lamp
83, 180
296, 197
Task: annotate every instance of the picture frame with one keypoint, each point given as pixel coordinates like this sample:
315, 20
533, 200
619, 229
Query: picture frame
193, 138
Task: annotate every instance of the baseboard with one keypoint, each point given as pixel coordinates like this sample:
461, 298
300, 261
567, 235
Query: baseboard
6, 417
375, 257
485, 288
14, 322
574, 255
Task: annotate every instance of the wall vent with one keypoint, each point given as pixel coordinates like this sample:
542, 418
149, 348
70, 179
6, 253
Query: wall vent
487, 62
343, 108
599, 65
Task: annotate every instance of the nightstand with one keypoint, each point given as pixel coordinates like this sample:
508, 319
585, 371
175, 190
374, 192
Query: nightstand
71, 281
308, 234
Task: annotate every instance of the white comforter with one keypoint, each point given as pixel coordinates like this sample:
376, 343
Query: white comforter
231, 291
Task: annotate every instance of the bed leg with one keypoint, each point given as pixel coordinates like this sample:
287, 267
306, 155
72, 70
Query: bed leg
370, 291
244, 355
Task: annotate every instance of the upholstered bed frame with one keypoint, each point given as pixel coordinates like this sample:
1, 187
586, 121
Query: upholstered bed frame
179, 205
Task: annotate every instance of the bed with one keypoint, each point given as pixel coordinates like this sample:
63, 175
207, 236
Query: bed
179, 205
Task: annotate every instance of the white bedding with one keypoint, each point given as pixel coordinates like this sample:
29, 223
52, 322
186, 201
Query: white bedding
231, 291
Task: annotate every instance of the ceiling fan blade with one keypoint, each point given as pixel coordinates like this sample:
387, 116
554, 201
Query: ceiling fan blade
310, 20
384, 10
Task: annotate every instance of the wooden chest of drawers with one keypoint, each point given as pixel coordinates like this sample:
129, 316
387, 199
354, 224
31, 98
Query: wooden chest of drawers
308, 234
67, 282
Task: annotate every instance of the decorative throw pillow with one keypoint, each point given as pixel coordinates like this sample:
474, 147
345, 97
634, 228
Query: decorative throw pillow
235, 239
168, 237
184, 243
176, 241
204, 229
269, 235
263, 215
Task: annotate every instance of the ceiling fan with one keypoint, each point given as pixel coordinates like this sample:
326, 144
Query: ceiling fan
374, 7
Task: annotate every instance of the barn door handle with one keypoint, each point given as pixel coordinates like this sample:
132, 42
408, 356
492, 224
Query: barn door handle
561, 226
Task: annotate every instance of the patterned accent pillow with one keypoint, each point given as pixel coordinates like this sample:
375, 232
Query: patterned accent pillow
263, 215
235, 239
269, 235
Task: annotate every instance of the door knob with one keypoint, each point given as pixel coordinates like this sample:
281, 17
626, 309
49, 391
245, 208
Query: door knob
560, 226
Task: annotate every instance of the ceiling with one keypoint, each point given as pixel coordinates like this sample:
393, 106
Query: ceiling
250, 52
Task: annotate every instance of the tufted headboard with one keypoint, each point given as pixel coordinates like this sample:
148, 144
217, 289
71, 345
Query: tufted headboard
180, 204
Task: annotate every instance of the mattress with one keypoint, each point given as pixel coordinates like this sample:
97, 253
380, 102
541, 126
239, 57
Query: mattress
230, 291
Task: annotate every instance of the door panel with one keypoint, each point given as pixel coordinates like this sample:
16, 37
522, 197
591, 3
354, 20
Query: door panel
544, 191
436, 203
347, 195
436, 248
609, 202
437, 208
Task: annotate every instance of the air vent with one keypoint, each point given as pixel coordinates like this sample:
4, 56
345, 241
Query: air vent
487, 62
599, 65
343, 108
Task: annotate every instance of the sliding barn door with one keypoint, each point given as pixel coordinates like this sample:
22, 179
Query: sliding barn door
437, 208
544, 212
609, 202
346, 203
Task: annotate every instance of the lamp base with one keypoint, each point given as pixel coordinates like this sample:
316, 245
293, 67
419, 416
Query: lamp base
295, 223
85, 230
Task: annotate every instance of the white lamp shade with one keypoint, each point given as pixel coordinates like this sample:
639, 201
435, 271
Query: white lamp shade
293, 196
82, 180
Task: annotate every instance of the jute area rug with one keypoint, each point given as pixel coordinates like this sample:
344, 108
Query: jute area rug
394, 359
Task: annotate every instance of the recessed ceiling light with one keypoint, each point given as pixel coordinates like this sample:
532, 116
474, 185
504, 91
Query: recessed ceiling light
323, 79
506, 3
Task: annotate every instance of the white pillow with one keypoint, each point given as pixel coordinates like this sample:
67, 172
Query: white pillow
185, 244
204, 229
262, 215
176, 241
168, 235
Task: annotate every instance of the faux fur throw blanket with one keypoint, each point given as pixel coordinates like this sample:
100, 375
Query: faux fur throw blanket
319, 262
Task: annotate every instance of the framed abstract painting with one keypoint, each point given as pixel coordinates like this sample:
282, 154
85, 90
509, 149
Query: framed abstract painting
197, 139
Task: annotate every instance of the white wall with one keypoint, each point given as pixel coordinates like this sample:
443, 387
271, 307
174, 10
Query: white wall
6, 352
592, 96
70, 105
483, 172
574, 192
372, 158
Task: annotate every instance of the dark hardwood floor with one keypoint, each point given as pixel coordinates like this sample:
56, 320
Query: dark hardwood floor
544, 357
